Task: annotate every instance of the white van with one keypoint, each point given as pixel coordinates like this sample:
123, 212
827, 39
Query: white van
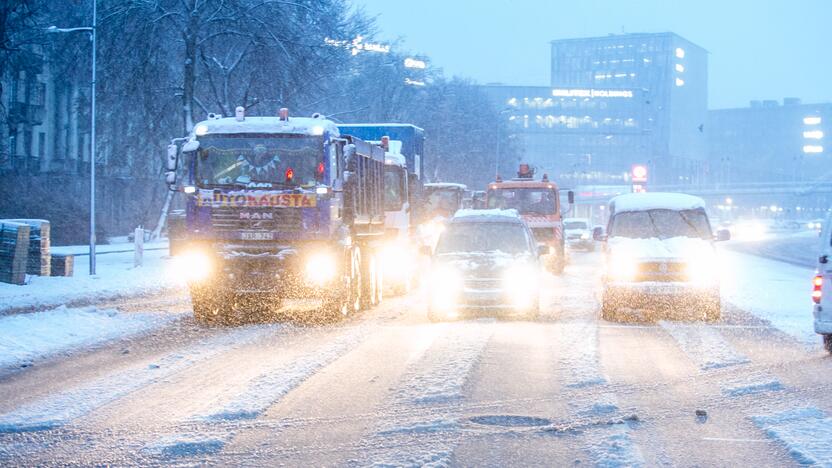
659, 252
822, 288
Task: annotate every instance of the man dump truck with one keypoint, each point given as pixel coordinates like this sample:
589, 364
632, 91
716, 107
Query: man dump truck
538, 202
278, 208
440, 201
403, 165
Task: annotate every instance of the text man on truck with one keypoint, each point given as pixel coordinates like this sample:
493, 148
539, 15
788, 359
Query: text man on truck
278, 208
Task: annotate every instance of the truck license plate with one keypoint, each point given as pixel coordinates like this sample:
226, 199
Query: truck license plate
258, 236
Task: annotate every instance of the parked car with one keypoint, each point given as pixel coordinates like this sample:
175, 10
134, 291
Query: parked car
822, 288
659, 249
486, 262
578, 234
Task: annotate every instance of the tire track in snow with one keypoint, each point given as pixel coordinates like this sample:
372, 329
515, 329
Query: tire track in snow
803, 429
59, 409
259, 394
435, 381
609, 444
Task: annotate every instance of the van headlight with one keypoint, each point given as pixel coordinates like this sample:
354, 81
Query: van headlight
321, 268
622, 267
191, 266
702, 268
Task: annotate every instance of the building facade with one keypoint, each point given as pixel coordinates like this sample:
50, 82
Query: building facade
767, 142
614, 102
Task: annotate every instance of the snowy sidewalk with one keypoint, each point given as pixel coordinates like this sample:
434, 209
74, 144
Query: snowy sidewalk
116, 278
774, 291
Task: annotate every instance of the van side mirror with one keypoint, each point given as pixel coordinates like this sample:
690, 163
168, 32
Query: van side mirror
723, 235
570, 195
598, 234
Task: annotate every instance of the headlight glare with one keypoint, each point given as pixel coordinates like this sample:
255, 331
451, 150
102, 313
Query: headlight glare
321, 268
191, 266
622, 267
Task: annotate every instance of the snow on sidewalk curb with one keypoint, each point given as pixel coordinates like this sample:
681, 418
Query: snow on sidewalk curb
25, 338
116, 278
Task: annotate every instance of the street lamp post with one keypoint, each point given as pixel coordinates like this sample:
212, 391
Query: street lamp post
91, 30
499, 136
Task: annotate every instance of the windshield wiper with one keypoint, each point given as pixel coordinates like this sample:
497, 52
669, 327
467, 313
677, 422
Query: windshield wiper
655, 227
687, 221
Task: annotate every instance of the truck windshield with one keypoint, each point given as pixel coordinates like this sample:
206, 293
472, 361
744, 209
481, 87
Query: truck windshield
662, 224
394, 183
575, 225
483, 237
442, 201
265, 160
524, 200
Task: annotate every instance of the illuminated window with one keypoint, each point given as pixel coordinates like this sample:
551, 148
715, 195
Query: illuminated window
680, 68
811, 120
813, 134
680, 82
680, 52
813, 149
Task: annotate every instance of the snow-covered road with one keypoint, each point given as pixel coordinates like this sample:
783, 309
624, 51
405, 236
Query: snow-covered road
389, 388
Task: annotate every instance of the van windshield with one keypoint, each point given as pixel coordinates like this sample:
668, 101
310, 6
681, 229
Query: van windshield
662, 224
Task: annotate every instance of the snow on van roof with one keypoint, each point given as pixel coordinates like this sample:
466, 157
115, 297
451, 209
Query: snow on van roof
295, 125
655, 201
468, 213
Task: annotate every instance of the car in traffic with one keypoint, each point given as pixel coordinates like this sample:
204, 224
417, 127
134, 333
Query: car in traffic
660, 254
485, 263
822, 289
578, 234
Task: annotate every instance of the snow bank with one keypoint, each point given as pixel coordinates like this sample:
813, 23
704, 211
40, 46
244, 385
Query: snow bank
116, 278
655, 201
26, 337
467, 213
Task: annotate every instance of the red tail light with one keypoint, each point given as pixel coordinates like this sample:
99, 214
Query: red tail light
290, 174
817, 284
320, 170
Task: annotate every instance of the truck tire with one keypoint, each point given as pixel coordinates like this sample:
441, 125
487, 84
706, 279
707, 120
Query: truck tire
348, 300
827, 343
370, 281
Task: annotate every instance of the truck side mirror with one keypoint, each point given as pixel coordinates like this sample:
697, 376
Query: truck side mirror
542, 249
598, 234
349, 157
723, 235
173, 157
170, 177
570, 195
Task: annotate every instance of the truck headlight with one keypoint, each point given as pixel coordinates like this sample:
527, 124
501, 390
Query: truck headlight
321, 268
622, 267
191, 266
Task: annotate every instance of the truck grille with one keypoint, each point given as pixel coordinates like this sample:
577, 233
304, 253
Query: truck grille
225, 219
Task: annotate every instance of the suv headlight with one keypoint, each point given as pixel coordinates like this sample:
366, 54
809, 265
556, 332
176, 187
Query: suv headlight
446, 285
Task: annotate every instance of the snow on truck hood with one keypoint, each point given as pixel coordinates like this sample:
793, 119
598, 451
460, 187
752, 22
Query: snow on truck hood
660, 249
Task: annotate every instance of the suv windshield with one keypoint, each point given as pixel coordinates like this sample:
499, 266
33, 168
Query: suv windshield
662, 224
524, 200
268, 159
483, 237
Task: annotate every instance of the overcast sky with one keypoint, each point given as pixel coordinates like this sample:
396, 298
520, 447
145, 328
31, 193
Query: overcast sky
762, 49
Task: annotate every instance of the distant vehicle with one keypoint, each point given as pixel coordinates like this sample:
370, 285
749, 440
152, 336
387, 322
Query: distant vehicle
440, 200
478, 199
538, 202
486, 261
578, 235
822, 289
660, 246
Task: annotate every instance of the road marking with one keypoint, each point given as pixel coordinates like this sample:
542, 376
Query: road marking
438, 378
60, 408
805, 432
725, 439
607, 444
704, 345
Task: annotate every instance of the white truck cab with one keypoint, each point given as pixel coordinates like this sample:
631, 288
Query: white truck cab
822, 288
